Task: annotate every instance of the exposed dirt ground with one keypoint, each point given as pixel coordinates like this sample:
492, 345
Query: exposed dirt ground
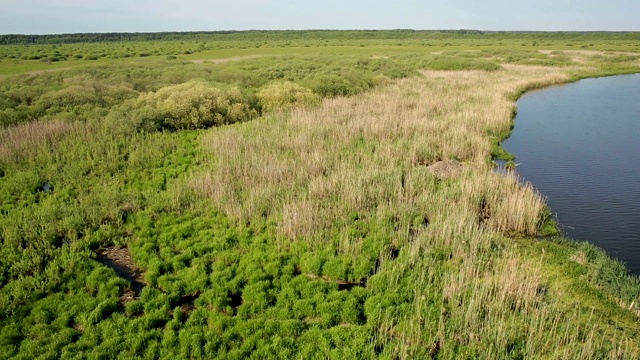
119, 259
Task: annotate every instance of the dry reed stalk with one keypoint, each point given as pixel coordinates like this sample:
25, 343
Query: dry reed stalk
349, 153
369, 154
21, 141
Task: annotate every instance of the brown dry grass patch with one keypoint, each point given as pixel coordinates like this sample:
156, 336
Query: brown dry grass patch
24, 140
358, 154
369, 155
446, 169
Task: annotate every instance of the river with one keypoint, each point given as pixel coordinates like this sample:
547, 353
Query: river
579, 145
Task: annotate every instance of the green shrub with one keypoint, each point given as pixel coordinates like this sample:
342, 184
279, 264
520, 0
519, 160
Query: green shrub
285, 95
192, 105
337, 269
331, 85
134, 308
102, 311
69, 96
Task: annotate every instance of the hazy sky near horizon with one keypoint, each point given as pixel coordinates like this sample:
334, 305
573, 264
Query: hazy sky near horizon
70, 16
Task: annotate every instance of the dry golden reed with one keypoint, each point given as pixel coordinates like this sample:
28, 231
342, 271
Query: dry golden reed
18, 142
351, 154
369, 155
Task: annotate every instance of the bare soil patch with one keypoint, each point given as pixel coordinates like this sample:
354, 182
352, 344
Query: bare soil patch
342, 284
119, 259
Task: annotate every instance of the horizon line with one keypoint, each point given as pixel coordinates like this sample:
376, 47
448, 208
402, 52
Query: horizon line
230, 31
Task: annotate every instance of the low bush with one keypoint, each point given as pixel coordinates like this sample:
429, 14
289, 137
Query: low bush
331, 85
285, 95
70, 96
192, 105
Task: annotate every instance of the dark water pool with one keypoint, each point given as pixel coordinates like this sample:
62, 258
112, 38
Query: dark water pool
579, 145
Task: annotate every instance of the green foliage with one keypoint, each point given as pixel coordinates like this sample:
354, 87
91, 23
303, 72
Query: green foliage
192, 105
101, 312
331, 85
285, 95
549, 226
609, 274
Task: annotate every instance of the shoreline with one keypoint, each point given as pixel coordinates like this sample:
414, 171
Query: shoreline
557, 227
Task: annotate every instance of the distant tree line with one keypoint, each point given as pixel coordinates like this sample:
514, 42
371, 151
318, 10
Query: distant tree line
17, 39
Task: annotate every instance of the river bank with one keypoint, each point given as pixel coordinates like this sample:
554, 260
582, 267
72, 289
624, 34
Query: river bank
574, 144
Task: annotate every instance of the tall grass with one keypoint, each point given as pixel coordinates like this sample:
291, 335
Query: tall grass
357, 154
23, 141
468, 293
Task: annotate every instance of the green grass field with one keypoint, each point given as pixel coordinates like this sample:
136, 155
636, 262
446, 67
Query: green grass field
293, 195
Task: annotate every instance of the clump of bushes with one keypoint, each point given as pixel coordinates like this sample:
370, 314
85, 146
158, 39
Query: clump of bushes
285, 95
330, 85
192, 105
69, 96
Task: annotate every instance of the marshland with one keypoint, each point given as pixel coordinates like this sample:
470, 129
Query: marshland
293, 194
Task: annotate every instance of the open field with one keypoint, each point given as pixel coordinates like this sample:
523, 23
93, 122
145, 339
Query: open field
28, 53
294, 195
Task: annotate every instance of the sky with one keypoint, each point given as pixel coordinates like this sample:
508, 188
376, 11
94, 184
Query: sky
72, 16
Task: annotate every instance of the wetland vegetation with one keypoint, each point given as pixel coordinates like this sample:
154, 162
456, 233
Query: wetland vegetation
292, 195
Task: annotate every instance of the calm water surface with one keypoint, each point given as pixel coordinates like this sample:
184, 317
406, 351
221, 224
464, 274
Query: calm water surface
579, 145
